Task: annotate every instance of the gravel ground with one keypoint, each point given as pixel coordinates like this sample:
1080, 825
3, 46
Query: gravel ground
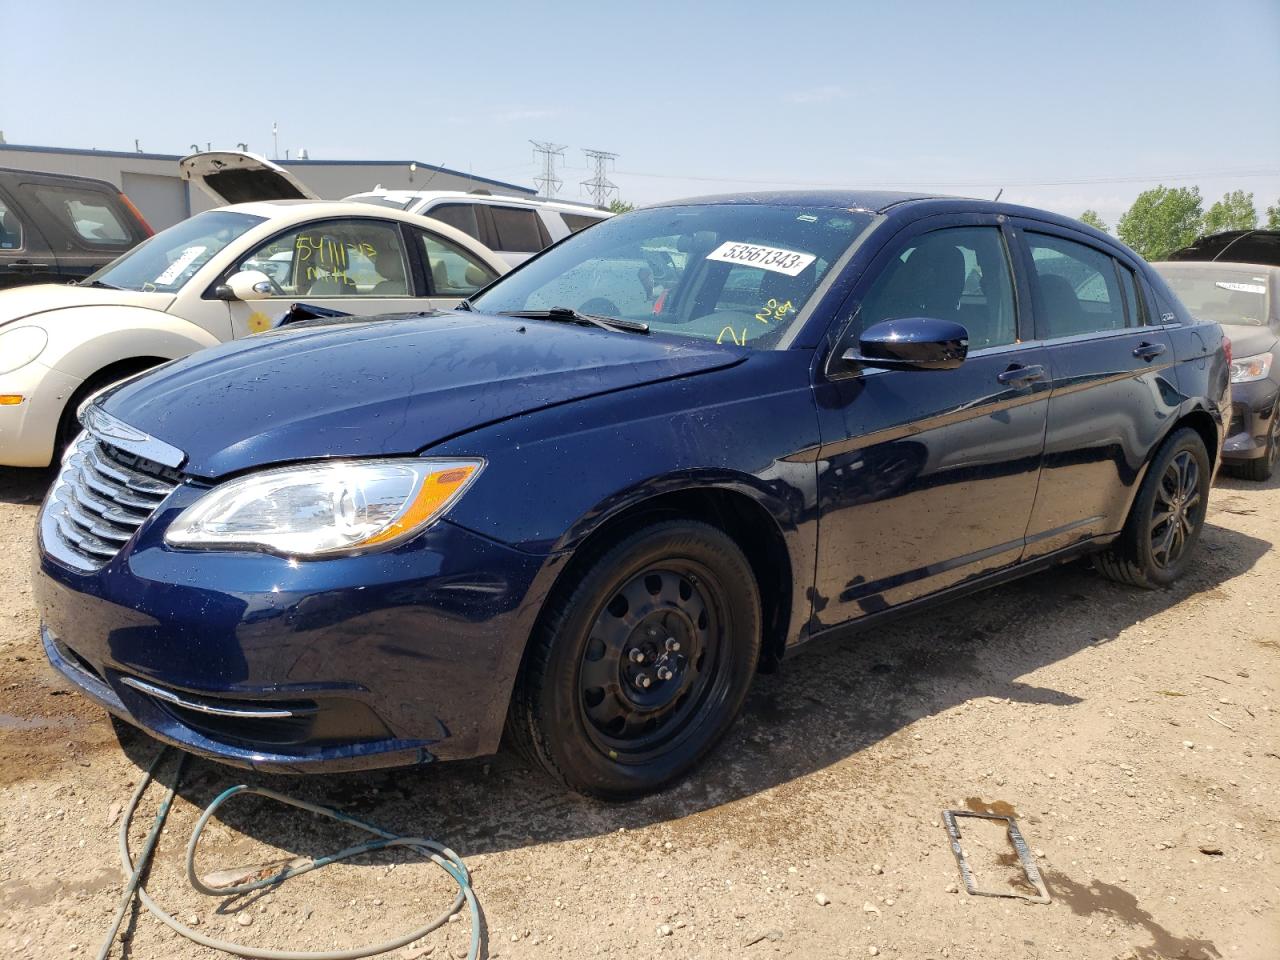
1133, 734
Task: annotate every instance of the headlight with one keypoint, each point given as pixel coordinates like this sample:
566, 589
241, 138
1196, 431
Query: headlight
1248, 369
326, 509
19, 347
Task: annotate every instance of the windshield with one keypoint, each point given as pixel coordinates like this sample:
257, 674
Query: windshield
1222, 294
171, 258
730, 273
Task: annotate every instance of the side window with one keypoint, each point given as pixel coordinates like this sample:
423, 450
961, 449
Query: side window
517, 229
454, 272
336, 258
10, 229
577, 221
460, 215
87, 216
959, 274
1077, 288
1132, 299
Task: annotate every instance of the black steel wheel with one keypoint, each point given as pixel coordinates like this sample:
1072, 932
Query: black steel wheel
641, 663
1164, 524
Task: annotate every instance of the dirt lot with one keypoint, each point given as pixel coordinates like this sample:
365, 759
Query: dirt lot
1135, 735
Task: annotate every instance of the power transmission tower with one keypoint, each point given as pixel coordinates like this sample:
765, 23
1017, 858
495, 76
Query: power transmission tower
548, 183
600, 186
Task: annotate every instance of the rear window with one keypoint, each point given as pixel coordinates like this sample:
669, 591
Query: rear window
459, 215
1224, 295
517, 229
91, 217
578, 221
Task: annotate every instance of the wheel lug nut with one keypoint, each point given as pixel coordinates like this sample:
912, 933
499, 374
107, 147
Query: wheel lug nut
664, 674
644, 680
673, 644
636, 655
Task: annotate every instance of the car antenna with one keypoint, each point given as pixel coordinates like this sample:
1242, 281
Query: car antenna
997, 196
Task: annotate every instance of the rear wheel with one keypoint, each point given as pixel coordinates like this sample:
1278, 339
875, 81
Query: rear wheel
1159, 538
639, 667
1262, 467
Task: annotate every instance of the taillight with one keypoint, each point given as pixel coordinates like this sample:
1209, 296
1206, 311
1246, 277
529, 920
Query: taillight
1226, 348
124, 198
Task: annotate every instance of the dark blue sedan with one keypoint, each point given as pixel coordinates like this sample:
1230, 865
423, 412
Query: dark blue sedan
587, 506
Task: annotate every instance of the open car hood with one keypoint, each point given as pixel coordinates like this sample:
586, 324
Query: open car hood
233, 177
354, 387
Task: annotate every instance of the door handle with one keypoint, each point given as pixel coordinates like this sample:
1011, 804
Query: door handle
26, 266
1148, 351
1020, 374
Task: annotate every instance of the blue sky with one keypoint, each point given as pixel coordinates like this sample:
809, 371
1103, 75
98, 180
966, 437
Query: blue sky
1066, 105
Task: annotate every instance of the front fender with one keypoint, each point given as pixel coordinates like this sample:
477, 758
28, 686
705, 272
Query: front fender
84, 340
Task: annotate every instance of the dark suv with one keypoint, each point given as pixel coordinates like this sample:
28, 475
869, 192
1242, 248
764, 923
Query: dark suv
56, 228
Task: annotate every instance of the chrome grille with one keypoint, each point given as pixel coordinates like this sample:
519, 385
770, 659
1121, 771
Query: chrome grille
102, 497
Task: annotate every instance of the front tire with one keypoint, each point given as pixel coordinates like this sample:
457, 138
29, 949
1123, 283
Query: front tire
638, 667
1159, 538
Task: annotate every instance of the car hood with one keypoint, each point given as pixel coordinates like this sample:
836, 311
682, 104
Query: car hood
394, 385
1248, 340
19, 303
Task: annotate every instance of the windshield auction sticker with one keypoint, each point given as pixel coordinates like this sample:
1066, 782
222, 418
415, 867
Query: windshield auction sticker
776, 259
1241, 287
174, 270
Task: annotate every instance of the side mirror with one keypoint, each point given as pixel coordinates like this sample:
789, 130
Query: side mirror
911, 343
245, 285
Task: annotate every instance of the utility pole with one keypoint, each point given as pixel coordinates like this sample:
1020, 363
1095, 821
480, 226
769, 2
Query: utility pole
275, 141
549, 183
600, 186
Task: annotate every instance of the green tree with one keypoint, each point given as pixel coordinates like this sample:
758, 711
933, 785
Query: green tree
1161, 220
1273, 217
620, 206
1092, 219
1235, 211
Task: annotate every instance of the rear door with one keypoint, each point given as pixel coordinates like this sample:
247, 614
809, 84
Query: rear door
928, 478
25, 256
1112, 390
85, 223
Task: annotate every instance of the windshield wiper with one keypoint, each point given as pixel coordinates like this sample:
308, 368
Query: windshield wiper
100, 284
570, 315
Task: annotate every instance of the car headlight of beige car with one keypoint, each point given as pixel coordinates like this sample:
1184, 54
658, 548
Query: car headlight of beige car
19, 347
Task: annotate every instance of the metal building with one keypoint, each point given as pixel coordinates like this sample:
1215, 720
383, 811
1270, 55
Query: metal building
154, 185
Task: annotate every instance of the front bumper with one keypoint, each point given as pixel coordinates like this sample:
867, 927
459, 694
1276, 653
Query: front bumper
350, 663
28, 429
1252, 407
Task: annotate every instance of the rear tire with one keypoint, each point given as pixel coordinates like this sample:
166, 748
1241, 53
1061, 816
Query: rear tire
1261, 468
1164, 524
639, 666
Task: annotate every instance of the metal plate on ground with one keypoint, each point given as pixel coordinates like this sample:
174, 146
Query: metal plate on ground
949, 818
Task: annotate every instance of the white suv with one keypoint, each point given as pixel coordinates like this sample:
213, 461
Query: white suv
515, 228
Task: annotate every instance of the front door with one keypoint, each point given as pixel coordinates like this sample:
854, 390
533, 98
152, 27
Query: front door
360, 266
927, 478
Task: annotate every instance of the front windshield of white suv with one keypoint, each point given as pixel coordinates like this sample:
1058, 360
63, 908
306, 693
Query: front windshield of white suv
737, 273
169, 259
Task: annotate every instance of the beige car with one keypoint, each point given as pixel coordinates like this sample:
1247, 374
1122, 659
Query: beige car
222, 274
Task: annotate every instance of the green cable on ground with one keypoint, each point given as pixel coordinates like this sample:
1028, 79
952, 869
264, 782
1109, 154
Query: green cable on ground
438, 854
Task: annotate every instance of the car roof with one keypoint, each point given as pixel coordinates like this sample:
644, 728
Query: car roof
1234, 246
408, 195
876, 201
